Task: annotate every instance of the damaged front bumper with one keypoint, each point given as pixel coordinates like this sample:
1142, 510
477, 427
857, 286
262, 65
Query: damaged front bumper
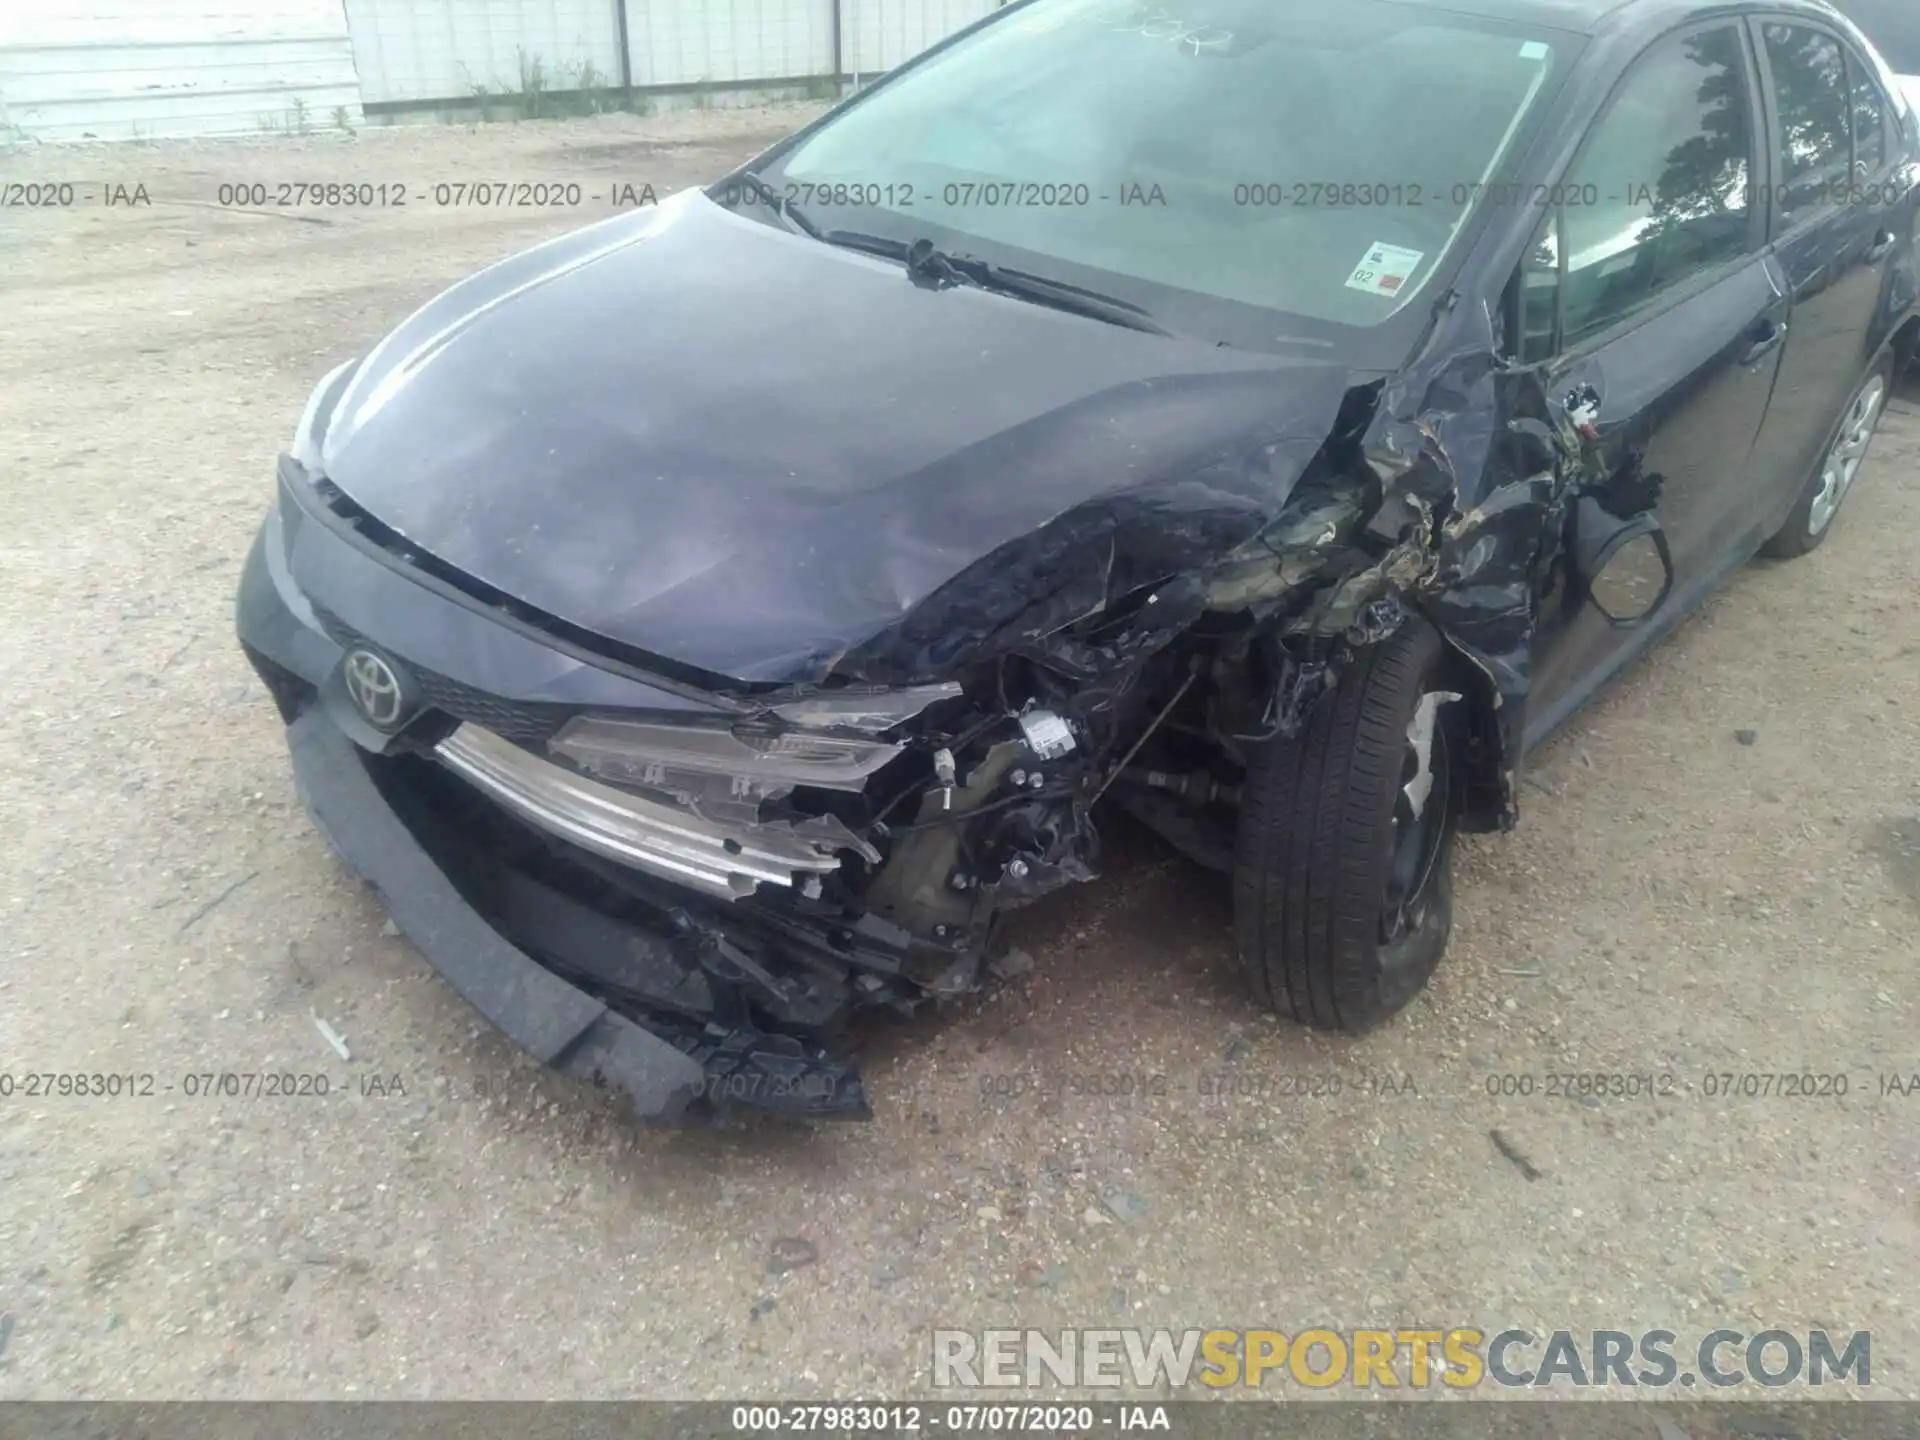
555, 1021
658, 920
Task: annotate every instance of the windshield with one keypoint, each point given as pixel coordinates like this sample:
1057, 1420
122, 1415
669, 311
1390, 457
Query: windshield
1315, 158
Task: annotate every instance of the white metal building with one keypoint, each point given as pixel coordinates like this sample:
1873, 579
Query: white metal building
140, 69
128, 69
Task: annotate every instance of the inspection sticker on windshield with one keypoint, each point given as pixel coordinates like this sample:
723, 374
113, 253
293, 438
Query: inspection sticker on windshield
1386, 270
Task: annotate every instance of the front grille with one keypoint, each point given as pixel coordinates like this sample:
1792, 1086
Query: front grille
526, 722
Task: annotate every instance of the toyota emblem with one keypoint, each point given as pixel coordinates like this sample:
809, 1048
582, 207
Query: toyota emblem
375, 689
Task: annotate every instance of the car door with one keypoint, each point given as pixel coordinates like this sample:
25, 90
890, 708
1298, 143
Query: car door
1837, 221
1655, 316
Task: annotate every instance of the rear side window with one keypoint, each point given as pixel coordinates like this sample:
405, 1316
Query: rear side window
1816, 115
1869, 121
1662, 191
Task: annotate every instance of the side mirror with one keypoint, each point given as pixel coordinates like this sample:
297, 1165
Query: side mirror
1624, 565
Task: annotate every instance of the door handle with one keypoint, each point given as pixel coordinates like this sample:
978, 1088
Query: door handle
1882, 248
1772, 333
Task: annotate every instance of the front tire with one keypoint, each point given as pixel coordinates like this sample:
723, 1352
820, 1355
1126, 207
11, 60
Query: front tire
1343, 896
1839, 467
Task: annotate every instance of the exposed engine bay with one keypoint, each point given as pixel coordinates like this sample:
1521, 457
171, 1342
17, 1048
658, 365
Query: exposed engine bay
742, 890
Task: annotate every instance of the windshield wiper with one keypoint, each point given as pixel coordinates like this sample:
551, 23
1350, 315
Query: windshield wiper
788, 212
927, 262
1075, 299
872, 244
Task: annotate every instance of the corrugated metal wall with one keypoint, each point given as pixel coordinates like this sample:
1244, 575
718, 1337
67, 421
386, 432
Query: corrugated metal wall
688, 42
880, 34
420, 51
423, 50
147, 69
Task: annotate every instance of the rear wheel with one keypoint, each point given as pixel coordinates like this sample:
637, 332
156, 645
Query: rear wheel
1342, 890
1846, 452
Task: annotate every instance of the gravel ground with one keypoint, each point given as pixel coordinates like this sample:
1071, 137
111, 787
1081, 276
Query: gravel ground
1681, 898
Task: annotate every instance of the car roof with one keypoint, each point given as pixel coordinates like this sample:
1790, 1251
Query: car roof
1582, 15
1588, 16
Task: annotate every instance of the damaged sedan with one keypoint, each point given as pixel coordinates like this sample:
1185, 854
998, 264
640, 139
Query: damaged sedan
1266, 421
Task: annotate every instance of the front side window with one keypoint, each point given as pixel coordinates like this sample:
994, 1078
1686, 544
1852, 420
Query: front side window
1316, 157
1662, 191
1816, 116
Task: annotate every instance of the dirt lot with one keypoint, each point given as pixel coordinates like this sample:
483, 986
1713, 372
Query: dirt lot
1676, 902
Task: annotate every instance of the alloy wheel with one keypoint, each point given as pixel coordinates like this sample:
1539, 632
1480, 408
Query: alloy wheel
1849, 450
1421, 813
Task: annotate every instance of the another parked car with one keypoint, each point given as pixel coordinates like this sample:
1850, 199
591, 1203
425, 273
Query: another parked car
1893, 26
1270, 420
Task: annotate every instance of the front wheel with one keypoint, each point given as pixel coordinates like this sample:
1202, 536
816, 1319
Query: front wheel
1343, 896
1839, 467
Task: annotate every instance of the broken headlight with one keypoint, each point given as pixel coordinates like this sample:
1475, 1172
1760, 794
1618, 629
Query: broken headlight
829, 741
758, 767
869, 712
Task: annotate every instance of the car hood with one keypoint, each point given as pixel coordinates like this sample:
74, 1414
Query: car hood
718, 442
